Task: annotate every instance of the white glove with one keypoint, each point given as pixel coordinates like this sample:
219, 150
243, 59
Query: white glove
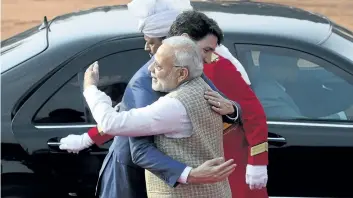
256, 176
76, 143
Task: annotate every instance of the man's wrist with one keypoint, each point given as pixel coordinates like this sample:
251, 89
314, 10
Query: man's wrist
88, 88
191, 177
87, 140
256, 169
185, 175
235, 115
98, 137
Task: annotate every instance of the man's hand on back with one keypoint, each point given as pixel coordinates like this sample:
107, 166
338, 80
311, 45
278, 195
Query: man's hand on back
219, 104
211, 171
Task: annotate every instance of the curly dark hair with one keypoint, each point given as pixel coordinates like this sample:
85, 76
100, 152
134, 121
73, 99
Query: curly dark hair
197, 25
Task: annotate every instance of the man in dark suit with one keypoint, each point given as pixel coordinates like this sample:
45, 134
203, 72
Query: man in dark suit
122, 172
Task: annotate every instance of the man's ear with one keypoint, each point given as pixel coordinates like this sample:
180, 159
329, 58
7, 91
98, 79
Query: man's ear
186, 35
184, 74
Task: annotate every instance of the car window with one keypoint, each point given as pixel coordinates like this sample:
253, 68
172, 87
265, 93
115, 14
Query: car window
116, 71
67, 105
295, 85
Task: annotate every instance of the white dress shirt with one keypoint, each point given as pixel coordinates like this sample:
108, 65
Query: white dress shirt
166, 116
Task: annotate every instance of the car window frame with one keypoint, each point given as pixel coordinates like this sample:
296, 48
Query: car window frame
89, 117
78, 72
329, 66
78, 78
23, 118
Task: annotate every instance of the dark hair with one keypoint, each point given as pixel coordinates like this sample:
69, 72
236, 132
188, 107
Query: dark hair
197, 25
162, 38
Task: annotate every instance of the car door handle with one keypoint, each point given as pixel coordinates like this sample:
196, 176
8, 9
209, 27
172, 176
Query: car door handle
54, 146
276, 139
53, 143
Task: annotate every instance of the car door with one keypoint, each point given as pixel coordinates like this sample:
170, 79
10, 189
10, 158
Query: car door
309, 107
58, 109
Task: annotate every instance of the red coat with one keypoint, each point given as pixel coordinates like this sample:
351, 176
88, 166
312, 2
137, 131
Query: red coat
246, 144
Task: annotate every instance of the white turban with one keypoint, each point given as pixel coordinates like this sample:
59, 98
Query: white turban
157, 16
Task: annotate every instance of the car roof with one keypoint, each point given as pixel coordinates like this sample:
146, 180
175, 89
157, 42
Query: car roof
238, 17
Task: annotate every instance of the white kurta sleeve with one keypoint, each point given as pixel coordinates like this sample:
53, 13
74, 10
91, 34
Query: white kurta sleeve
161, 117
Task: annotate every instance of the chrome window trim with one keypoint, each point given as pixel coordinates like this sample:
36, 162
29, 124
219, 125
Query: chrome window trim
64, 126
329, 125
283, 123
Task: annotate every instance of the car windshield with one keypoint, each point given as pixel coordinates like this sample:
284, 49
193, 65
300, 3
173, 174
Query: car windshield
341, 41
21, 47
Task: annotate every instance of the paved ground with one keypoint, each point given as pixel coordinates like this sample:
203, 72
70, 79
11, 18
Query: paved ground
19, 15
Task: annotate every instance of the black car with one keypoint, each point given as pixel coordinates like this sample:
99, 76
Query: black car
311, 154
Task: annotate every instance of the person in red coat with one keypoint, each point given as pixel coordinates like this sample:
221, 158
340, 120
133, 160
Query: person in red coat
247, 143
